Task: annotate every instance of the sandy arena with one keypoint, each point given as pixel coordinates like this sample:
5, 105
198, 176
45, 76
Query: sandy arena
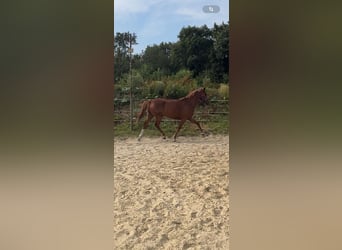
171, 195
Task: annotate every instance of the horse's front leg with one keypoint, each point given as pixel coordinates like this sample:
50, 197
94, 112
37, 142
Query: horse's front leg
192, 120
179, 127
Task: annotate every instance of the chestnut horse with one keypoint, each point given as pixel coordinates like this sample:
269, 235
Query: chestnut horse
181, 109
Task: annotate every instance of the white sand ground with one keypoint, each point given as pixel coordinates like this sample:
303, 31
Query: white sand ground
171, 195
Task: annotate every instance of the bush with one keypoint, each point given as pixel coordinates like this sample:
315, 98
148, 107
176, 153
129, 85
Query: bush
207, 83
156, 89
212, 93
117, 90
223, 91
175, 91
183, 74
137, 79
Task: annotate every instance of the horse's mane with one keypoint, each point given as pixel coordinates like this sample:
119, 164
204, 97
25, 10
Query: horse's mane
192, 93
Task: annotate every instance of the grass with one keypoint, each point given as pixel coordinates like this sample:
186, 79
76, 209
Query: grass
220, 126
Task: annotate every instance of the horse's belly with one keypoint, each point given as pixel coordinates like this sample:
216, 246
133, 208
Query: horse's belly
178, 115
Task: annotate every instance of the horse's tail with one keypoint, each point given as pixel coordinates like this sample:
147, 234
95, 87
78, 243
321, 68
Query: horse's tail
144, 108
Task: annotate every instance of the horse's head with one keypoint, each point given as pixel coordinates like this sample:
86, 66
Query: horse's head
202, 97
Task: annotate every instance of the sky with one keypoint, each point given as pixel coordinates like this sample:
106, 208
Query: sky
156, 21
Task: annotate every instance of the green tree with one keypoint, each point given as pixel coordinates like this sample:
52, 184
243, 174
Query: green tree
122, 43
194, 48
219, 58
157, 59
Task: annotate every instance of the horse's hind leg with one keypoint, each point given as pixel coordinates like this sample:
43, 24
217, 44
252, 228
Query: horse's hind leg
192, 120
149, 118
179, 127
157, 123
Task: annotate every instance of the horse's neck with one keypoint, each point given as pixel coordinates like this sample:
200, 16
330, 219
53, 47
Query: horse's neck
192, 100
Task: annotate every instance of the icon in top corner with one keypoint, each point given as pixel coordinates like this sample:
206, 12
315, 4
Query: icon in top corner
211, 9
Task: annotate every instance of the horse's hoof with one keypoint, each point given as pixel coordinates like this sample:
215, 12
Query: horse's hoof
164, 138
205, 133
